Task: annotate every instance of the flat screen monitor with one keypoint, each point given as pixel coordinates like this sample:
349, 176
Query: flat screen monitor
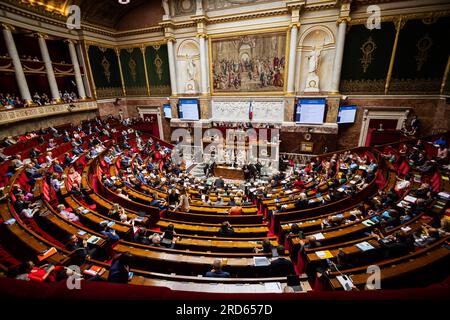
167, 111
188, 109
346, 114
310, 111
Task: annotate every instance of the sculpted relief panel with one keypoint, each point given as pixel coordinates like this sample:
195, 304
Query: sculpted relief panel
225, 4
230, 110
240, 110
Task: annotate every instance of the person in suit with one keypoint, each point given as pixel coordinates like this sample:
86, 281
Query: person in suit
217, 271
219, 183
81, 251
120, 268
281, 266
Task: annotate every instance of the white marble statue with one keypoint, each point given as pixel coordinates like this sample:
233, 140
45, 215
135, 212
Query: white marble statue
199, 5
313, 60
312, 79
190, 68
165, 5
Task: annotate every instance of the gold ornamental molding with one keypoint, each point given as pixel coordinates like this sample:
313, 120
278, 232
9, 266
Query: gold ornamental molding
141, 44
11, 116
405, 17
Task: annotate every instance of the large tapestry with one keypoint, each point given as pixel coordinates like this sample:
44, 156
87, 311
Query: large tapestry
106, 72
157, 59
421, 58
250, 63
133, 71
367, 54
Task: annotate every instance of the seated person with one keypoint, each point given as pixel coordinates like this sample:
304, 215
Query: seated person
235, 211
266, 247
110, 233
81, 251
66, 214
119, 271
226, 230
281, 266
160, 204
27, 271
217, 271
168, 237
141, 237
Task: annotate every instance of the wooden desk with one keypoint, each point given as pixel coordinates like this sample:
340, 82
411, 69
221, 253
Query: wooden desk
229, 173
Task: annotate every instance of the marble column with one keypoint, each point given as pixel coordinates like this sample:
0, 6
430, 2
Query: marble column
49, 68
338, 56
20, 75
292, 58
203, 65
76, 68
172, 66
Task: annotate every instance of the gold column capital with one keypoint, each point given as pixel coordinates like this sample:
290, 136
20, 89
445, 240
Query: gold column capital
68, 41
40, 35
202, 35
7, 26
343, 19
399, 23
294, 24
170, 39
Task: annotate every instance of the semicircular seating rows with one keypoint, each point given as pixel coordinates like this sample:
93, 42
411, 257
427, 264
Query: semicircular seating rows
337, 215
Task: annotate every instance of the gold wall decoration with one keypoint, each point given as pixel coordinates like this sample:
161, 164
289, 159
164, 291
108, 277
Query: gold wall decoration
423, 45
132, 66
367, 48
106, 72
156, 47
158, 64
306, 146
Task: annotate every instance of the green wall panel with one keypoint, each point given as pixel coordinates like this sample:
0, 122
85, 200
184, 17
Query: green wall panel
367, 54
105, 70
133, 71
421, 57
157, 61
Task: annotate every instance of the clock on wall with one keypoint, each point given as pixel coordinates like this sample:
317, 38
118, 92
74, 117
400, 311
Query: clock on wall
307, 136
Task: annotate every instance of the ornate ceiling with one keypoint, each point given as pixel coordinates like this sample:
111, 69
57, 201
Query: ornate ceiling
109, 13
105, 13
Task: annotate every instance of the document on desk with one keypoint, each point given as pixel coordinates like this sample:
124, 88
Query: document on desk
325, 254
410, 199
364, 246
319, 236
273, 287
261, 261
